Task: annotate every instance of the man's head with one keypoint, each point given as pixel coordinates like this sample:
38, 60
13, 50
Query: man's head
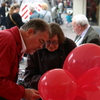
79, 23
35, 33
31, 8
57, 37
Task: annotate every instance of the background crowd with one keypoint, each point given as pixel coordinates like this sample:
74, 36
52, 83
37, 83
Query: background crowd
53, 15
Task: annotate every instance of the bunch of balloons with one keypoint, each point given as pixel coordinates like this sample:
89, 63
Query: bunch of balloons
78, 80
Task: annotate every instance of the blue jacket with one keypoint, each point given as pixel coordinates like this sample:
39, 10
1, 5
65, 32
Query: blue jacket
35, 15
69, 18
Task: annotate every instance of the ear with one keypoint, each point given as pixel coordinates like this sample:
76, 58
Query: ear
30, 32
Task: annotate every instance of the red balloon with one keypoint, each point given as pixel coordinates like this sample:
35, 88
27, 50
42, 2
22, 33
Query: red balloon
82, 58
89, 85
57, 84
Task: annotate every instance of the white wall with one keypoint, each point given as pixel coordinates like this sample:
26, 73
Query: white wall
79, 7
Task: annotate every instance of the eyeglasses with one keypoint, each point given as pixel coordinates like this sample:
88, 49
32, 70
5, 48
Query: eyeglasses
74, 26
52, 42
42, 42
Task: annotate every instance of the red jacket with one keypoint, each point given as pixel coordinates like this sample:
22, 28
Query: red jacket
10, 47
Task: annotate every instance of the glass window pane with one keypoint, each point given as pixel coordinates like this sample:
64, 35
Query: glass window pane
93, 11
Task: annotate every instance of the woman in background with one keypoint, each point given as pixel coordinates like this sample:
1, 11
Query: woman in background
46, 15
13, 17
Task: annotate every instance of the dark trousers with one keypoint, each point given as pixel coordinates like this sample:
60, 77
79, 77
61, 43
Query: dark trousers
60, 19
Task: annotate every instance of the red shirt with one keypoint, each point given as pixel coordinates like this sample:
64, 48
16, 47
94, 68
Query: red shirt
10, 47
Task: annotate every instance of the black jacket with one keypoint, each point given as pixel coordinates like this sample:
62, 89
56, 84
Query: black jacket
2, 16
17, 18
43, 60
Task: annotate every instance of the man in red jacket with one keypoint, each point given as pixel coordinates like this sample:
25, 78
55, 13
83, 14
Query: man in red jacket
13, 43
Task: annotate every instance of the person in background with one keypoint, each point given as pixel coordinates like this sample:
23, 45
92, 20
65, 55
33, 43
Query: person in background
85, 32
14, 42
60, 11
13, 17
46, 15
15, 2
68, 19
51, 56
54, 14
35, 14
7, 7
65, 6
3, 11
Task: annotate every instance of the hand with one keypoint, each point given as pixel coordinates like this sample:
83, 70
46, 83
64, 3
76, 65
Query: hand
31, 94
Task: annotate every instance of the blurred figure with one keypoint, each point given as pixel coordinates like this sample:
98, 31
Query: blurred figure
85, 33
60, 11
51, 56
35, 14
65, 6
3, 11
13, 17
15, 2
54, 14
46, 15
7, 7
68, 19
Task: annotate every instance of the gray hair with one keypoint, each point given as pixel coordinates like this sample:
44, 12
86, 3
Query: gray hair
80, 19
32, 8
